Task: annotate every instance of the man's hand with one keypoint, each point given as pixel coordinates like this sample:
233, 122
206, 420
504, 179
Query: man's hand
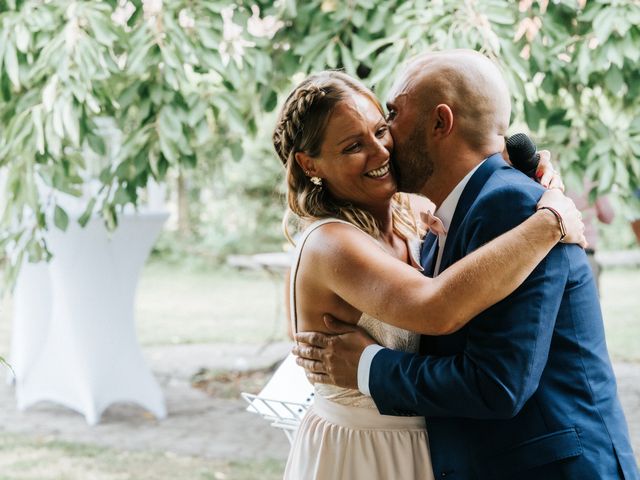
332, 358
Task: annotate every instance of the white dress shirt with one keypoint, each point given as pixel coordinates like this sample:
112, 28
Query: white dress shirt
445, 213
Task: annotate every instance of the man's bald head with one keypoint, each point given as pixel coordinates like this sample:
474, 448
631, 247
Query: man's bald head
469, 83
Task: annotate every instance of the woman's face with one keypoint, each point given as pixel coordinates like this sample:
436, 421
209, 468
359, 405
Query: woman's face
354, 157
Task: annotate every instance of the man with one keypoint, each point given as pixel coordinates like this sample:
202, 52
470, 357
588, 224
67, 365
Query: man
526, 389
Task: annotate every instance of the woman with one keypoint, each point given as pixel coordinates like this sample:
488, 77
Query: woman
362, 224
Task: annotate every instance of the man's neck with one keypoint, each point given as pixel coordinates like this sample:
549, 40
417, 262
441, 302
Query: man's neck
452, 161
440, 184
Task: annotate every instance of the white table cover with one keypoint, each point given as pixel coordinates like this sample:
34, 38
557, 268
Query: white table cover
74, 340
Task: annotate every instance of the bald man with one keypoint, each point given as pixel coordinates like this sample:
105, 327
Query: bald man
526, 390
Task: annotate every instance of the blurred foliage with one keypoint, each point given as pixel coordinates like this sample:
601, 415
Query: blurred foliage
192, 83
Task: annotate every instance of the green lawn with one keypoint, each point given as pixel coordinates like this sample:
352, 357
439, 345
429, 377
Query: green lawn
185, 305
24, 458
620, 299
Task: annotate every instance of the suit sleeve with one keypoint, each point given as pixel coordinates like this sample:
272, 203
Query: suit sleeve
506, 347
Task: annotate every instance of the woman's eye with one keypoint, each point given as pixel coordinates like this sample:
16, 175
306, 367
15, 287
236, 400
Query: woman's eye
381, 132
354, 147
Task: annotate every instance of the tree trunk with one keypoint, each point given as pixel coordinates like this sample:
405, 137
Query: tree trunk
184, 223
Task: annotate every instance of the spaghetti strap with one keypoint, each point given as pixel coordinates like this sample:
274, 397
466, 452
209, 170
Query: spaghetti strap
296, 262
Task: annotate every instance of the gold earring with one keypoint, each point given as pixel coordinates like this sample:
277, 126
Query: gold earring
317, 181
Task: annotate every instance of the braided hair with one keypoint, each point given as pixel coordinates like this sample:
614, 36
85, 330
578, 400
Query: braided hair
301, 127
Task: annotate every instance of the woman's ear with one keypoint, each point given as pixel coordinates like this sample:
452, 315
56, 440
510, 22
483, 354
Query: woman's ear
443, 120
307, 163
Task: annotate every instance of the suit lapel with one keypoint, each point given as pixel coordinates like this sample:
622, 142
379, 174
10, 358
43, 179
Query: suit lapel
468, 197
427, 254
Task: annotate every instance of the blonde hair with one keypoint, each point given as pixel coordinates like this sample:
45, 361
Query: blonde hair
301, 127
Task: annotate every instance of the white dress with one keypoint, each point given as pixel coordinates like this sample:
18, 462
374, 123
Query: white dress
343, 436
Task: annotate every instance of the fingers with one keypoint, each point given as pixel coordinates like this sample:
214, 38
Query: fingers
556, 182
315, 339
317, 378
312, 366
336, 326
546, 174
307, 351
545, 171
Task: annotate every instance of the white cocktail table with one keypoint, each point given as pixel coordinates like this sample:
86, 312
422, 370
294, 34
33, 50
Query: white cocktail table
74, 339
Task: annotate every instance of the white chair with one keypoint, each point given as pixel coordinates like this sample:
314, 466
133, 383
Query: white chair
284, 399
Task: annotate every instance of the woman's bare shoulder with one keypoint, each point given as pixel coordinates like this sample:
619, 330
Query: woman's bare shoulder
335, 238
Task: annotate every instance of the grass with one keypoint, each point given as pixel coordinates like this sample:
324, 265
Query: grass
192, 305
23, 458
620, 299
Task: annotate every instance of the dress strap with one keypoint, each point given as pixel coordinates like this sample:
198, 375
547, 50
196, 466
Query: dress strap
296, 262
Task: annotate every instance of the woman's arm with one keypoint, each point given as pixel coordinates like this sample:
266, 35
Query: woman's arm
352, 266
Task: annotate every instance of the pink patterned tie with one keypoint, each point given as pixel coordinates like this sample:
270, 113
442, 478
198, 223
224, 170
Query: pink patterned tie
433, 223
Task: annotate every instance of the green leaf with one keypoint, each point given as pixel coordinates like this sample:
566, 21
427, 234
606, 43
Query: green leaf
169, 123
347, 60
604, 23
331, 55
311, 42
121, 197
614, 80
110, 217
97, 144
385, 64
269, 100
236, 151
23, 38
101, 30
36, 116
60, 218
531, 115
70, 119
365, 50
11, 63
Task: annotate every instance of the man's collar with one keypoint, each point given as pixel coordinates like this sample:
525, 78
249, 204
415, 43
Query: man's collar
447, 208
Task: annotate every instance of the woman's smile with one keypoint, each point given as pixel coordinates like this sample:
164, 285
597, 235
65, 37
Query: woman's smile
380, 172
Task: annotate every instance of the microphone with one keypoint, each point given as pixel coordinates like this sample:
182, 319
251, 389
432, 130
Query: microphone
523, 154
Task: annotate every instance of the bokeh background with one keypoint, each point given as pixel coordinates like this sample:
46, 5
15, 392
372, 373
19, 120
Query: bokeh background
116, 105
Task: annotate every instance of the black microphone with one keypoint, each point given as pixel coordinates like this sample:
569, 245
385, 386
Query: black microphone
523, 154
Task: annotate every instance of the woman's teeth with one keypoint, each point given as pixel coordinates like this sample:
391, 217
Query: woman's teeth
378, 172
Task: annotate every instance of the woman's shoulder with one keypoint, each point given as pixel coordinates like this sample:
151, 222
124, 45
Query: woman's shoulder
333, 239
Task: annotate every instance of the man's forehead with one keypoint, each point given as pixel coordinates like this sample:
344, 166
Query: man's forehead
398, 89
402, 87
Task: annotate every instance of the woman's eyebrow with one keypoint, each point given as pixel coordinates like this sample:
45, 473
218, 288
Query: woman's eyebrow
350, 137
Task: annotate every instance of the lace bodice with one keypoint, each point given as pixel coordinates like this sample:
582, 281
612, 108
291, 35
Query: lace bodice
385, 334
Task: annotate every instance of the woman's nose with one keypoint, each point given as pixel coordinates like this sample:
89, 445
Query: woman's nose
382, 147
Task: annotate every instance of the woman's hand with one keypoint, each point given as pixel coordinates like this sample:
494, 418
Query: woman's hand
570, 215
546, 174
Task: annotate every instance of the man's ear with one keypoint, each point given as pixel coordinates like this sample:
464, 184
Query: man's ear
443, 120
307, 163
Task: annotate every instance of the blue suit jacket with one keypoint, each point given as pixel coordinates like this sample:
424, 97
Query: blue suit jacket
526, 389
